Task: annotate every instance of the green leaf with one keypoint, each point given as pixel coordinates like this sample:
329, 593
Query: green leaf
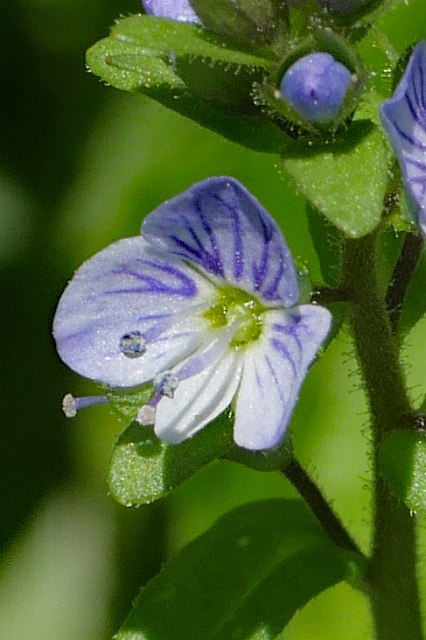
402, 460
252, 22
244, 578
415, 302
145, 54
144, 469
328, 243
346, 180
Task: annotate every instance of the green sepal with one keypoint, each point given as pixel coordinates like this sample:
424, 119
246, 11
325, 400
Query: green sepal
244, 578
126, 402
402, 461
269, 95
143, 469
142, 54
346, 180
248, 22
227, 85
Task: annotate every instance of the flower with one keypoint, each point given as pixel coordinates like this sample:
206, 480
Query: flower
204, 304
404, 119
173, 9
316, 86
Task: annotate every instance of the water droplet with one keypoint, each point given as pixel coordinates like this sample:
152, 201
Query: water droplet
167, 383
133, 344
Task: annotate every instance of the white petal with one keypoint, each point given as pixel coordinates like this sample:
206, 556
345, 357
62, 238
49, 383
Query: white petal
131, 287
274, 369
198, 400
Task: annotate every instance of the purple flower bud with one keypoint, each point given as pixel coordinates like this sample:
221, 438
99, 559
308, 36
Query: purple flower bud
316, 86
172, 9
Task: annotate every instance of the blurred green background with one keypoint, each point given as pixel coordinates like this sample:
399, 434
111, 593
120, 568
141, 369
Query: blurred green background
80, 164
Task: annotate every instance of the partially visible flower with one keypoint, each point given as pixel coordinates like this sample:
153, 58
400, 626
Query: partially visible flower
316, 86
204, 306
404, 119
173, 9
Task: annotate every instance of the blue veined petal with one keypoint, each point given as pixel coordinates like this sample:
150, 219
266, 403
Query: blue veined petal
129, 312
199, 399
173, 9
404, 119
274, 369
219, 227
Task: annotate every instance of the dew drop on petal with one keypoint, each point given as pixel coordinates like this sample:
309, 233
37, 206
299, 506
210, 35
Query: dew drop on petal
133, 344
146, 415
166, 384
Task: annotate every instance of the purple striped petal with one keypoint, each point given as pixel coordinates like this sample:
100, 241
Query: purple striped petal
274, 369
130, 312
220, 228
173, 9
404, 119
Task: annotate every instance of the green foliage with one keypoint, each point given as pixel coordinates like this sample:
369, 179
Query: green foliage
346, 179
328, 242
402, 459
189, 70
245, 578
415, 303
144, 469
251, 22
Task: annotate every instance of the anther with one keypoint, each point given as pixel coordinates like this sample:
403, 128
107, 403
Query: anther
166, 384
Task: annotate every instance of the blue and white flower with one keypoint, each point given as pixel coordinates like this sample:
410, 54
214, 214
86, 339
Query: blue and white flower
204, 304
404, 119
180, 10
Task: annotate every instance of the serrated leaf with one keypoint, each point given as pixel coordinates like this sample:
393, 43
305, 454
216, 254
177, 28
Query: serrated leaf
346, 180
244, 578
141, 55
144, 469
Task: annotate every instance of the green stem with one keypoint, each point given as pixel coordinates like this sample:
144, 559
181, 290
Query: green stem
392, 568
403, 271
319, 506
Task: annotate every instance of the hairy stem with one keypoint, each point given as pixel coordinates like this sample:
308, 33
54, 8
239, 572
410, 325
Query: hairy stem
403, 271
392, 568
319, 506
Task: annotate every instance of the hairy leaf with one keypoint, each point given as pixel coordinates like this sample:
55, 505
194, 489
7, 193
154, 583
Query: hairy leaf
345, 180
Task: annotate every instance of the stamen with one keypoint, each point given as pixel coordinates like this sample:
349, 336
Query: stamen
166, 384
146, 415
133, 344
71, 405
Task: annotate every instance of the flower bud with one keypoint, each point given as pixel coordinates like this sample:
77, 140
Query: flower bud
172, 9
343, 7
315, 86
